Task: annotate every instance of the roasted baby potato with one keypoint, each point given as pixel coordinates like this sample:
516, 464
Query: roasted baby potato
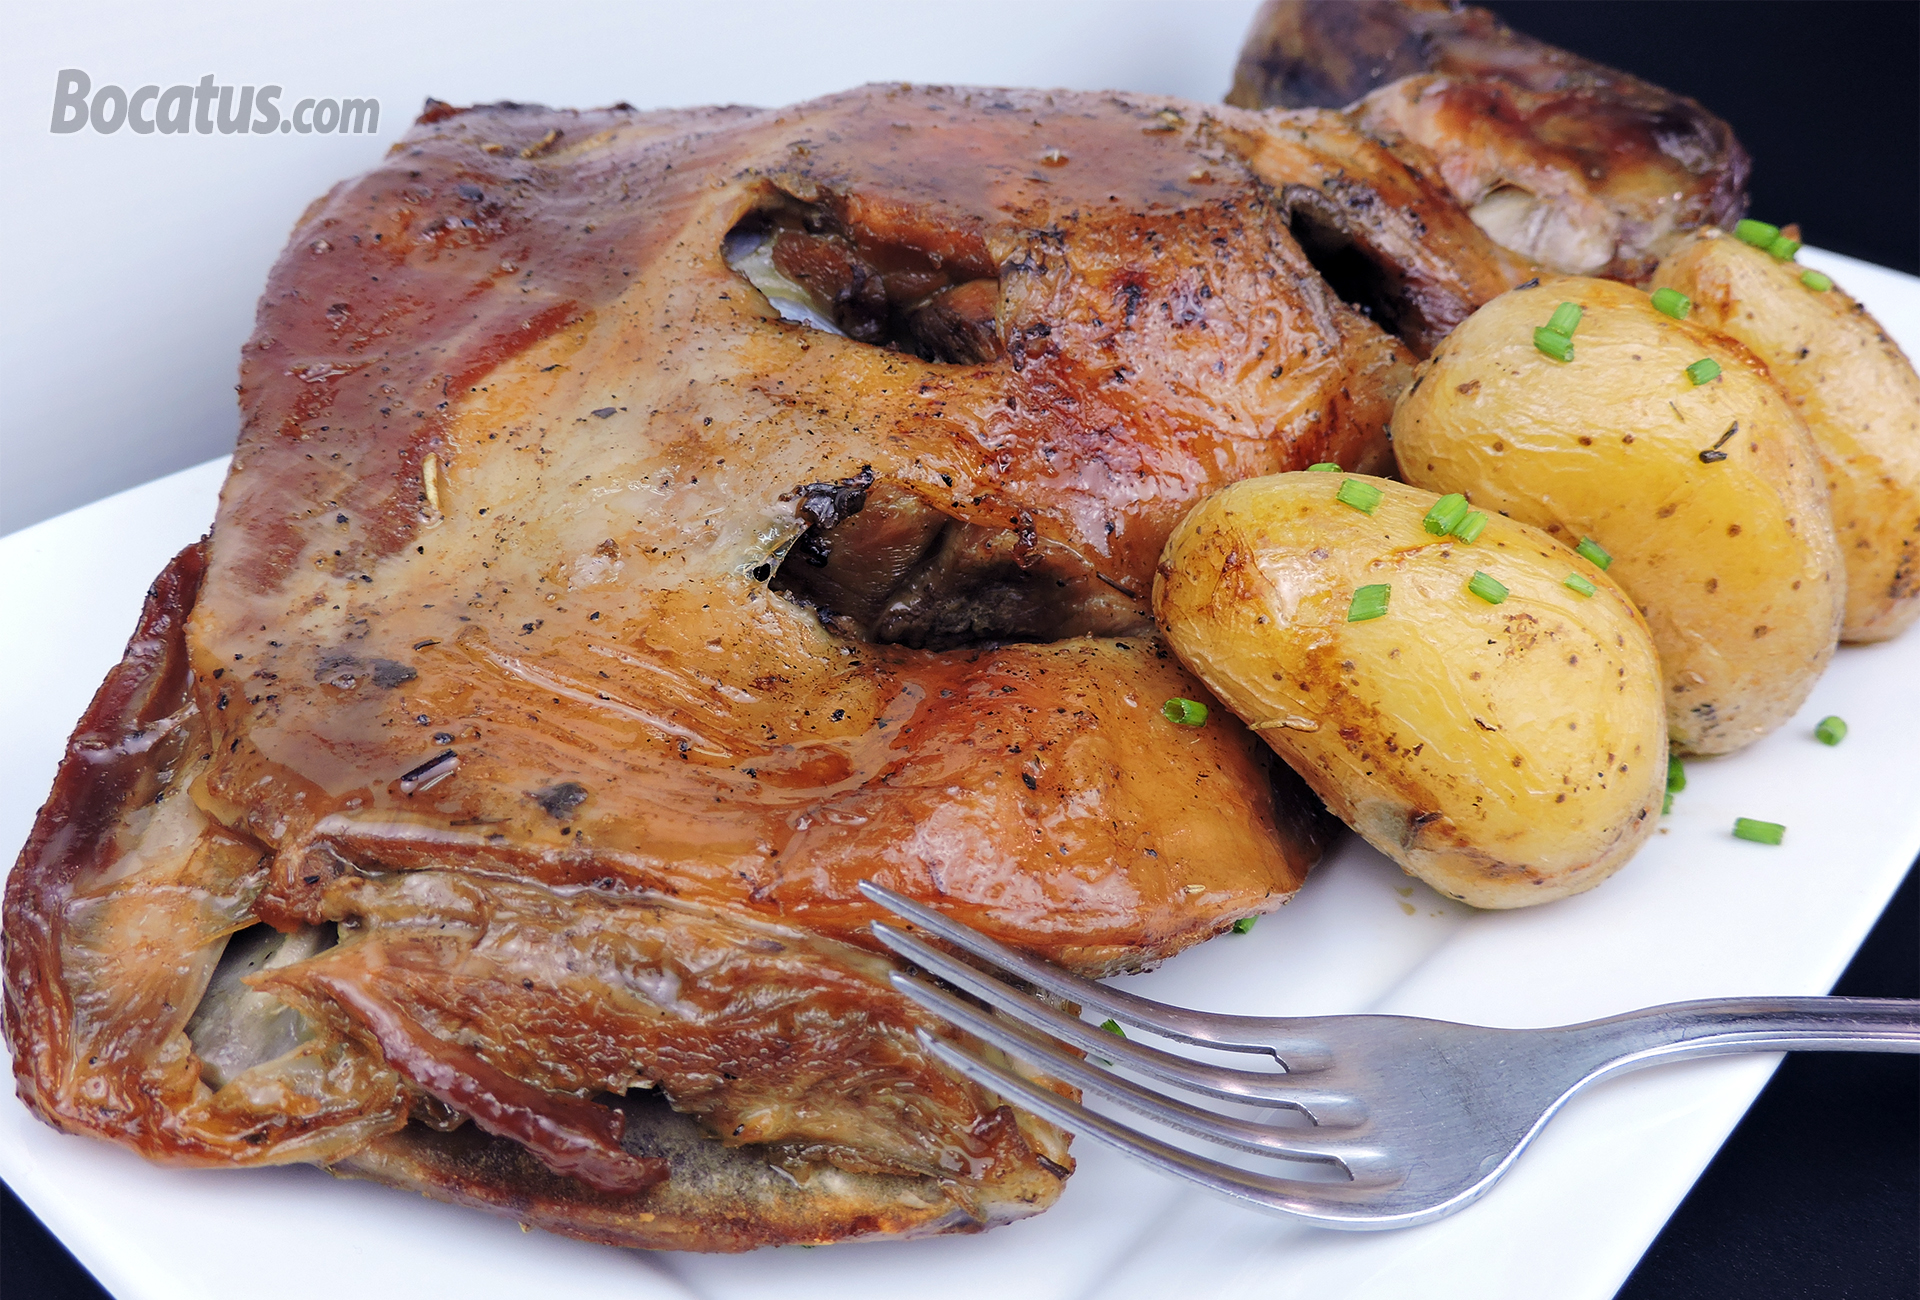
1706, 492
1506, 754
1858, 395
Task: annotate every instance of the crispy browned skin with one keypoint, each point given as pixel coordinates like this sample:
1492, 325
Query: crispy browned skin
575, 634
115, 917
451, 998
1573, 164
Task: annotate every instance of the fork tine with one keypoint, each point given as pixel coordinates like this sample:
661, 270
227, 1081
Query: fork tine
1333, 1205
1267, 1035
1260, 1139
1196, 1076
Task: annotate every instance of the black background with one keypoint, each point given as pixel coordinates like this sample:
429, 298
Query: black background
1818, 1192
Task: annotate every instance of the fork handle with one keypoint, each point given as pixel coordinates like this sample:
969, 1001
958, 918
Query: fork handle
1721, 1026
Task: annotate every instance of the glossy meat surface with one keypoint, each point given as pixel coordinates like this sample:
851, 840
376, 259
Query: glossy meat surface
571, 592
1577, 166
465, 1036
508, 690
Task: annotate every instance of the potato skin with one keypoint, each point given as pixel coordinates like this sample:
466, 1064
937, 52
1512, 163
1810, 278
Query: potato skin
1856, 391
1732, 560
1506, 754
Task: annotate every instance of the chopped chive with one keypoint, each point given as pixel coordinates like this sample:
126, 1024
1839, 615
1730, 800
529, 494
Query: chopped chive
1704, 369
1830, 730
1469, 529
1486, 587
1746, 828
1757, 233
1566, 318
1672, 302
1595, 554
1578, 583
1446, 514
1784, 248
1326, 465
1676, 774
1112, 1026
1815, 281
1558, 346
1244, 924
1187, 713
1361, 496
1369, 602
1667, 806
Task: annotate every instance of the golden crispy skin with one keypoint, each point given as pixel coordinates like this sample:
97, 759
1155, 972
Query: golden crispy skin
576, 632
573, 594
116, 914
497, 1017
1577, 166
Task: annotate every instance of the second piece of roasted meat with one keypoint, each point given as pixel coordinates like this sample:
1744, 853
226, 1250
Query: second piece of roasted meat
1574, 165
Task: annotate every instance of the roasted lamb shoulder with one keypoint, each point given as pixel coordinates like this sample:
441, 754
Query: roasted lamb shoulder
644, 527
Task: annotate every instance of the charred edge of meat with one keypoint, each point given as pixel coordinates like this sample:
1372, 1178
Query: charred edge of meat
560, 799
900, 287
345, 671
880, 563
122, 756
1365, 281
825, 505
767, 1205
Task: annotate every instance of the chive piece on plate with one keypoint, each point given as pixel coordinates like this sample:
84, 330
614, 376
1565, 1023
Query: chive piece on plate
1360, 495
1746, 828
1369, 602
1830, 730
1556, 345
1469, 529
1112, 1026
1757, 233
1577, 583
1446, 514
1244, 924
1676, 774
1326, 467
1594, 553
1815, 281
1784, 248
1187, 713
1703, 370
1487, 587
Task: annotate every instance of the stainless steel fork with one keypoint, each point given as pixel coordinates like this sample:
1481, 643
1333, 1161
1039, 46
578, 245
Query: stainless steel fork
1421, 1116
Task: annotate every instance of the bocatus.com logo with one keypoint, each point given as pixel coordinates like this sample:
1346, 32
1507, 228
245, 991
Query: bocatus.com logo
205, 108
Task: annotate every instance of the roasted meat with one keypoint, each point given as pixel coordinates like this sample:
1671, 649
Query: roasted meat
1571, 164
644, 527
